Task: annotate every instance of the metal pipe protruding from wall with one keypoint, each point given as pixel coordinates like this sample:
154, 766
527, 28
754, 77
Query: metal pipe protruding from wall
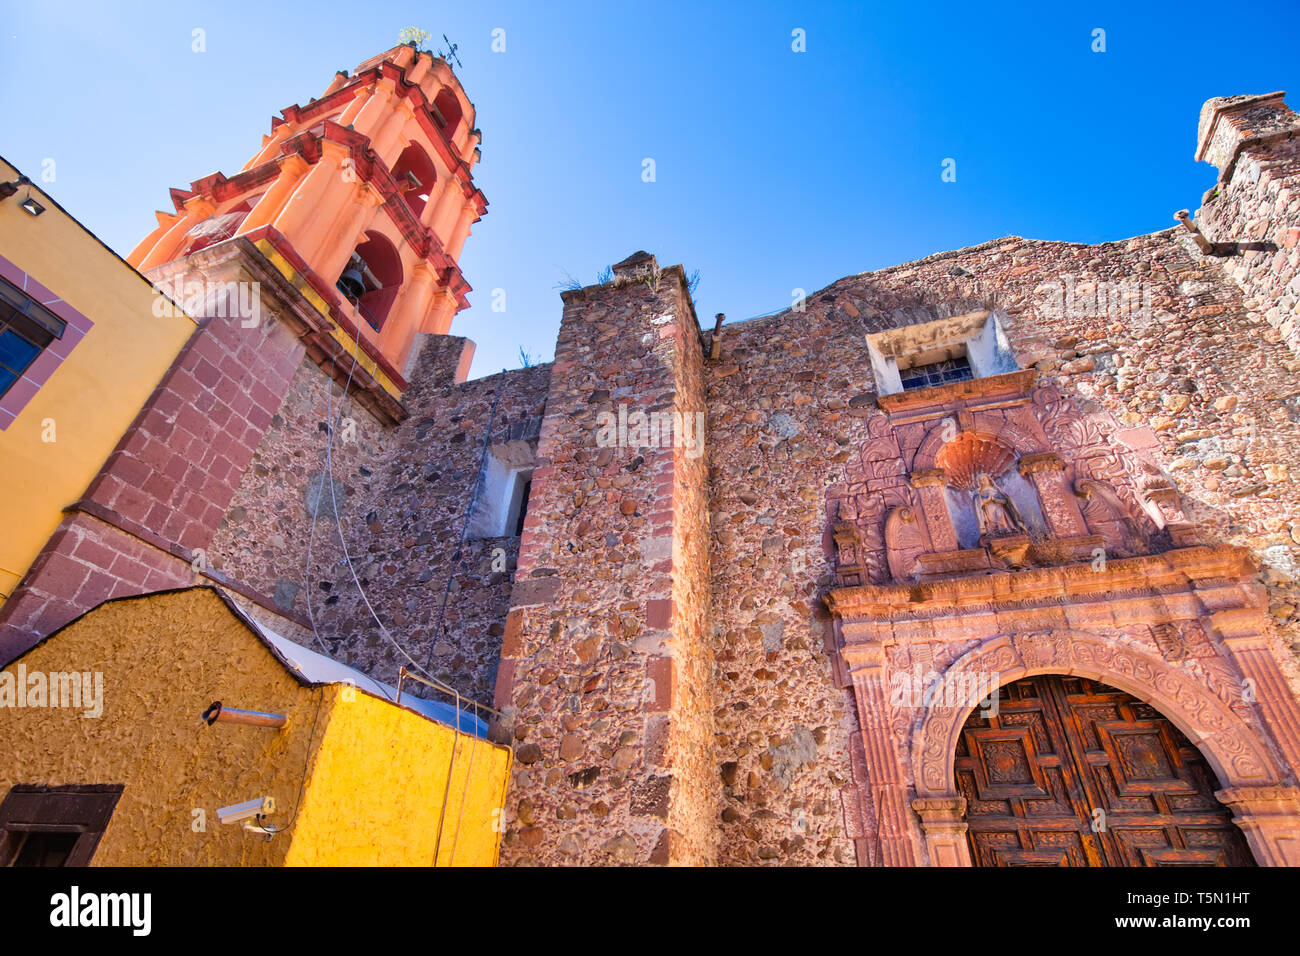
252, 718
715, 347
1184, 217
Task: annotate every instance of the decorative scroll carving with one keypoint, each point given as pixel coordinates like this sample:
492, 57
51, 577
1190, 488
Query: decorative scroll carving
1231, 745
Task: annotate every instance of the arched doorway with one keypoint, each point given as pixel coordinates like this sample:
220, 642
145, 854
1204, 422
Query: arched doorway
1072, 772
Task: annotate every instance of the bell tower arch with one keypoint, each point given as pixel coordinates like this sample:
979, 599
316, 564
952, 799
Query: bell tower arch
384, 158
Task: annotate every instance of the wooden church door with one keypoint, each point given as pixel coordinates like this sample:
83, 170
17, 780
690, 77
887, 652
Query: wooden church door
1071, 772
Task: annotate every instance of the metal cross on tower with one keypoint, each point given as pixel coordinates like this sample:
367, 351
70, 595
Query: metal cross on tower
451, 52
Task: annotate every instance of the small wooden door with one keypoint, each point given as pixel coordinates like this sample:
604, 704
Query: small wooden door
1071, 772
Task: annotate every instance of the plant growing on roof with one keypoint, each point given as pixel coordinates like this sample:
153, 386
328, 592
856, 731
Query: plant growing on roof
414, 37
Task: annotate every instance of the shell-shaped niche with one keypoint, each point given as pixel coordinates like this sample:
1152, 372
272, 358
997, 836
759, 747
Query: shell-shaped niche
971, 454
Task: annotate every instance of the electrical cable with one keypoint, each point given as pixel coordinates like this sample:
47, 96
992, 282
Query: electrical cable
311, 538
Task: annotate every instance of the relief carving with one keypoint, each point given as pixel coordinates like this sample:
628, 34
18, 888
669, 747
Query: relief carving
1177, 692
1161, 497
905, 540
1105, 514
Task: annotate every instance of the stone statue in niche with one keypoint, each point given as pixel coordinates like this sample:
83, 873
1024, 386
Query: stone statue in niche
996, 514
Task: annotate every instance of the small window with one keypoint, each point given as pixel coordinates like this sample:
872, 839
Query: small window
54, 826
525, 486
45, 848
26, 329
936, 373
501, 499
957, 348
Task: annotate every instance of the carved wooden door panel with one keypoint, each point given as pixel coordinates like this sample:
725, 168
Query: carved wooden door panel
1071, 772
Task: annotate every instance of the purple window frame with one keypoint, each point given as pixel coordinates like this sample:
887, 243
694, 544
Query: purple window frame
52, 356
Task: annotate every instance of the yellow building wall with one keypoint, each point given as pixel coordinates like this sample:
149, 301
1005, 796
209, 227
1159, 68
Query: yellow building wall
94, 395
165, 658
370, 776
375, 794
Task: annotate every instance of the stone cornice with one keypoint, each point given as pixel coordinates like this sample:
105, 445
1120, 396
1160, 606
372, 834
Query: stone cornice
1153, 574
1008, 383
308, 322
395, 74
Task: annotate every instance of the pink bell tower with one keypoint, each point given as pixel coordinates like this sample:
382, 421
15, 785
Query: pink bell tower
335, 249
367, 195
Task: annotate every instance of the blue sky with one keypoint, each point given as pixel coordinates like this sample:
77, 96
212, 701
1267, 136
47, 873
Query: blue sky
774, 169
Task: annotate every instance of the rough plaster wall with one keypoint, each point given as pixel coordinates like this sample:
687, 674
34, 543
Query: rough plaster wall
360, 806
164, 660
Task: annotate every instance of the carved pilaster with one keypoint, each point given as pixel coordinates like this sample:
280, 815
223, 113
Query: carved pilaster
944, 821
1267, 816
867, 666
1243, 633
929, 487
1060, 508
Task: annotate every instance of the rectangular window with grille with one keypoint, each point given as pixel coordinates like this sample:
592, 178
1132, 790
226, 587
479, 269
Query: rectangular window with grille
38, 331
26, 329
936, 373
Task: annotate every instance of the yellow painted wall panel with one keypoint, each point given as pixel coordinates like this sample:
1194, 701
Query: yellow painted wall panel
94, 395
370, 776
376, 790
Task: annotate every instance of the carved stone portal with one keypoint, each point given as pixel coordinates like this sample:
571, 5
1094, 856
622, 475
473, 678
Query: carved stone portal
991, 533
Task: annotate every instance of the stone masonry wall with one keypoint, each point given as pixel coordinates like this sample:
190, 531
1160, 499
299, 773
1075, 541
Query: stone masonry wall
604, 673
1257, 203
1152, 338
402, 494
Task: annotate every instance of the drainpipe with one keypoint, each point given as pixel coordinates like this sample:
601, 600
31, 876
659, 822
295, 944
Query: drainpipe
715, 346
1202, 243
217, 713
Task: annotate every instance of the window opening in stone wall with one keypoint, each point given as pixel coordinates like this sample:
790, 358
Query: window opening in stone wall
948, 349
523, 507
502, 500
936, 373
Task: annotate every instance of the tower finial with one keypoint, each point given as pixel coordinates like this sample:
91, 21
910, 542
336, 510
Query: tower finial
451, 52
